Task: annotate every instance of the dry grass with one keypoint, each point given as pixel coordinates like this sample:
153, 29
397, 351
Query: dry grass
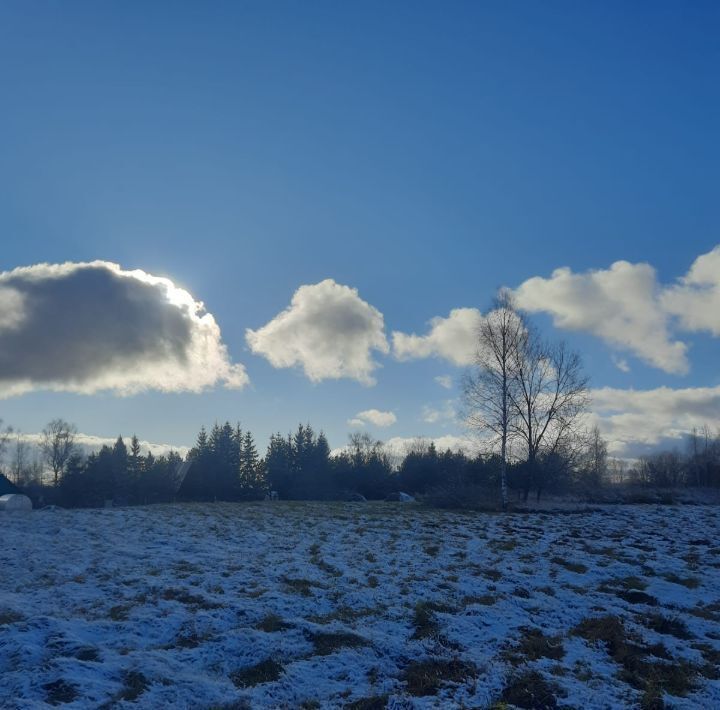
8, 616
426, 677
576, 567
531, 691
60, 692
677, 677
264, 672
534, 644
327, 643
272, 623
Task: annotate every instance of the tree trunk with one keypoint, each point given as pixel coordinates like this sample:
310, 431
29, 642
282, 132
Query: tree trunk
503, 473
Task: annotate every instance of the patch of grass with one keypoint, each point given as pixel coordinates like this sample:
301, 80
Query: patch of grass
426, 677
184, 568
668, 625
272, 623
135, 684
432, 550
119, 612
627, 583
241, 704
530, 690
424, 619
710, 612
59, 692
8, 616
692, 559
374, 702
534, 644
327, 643
303, 587
327, 567
372, 581
576, 567
711, 656
674, 677
689, 582
266, 671
608, 630
484, 599
652, 699
185, 597
189, 637
256, 593
492, 574
88, 654
635, 596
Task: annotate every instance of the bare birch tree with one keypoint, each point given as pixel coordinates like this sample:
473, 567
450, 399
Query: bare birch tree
549, 396
487, 388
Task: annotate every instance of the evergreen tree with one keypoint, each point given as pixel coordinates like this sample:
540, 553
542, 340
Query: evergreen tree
135, 460
250, 471
279, 465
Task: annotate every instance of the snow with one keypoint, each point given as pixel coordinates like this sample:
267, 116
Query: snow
15, 502
178, 594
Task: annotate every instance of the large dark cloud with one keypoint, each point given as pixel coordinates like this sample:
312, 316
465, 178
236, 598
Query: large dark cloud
93, 326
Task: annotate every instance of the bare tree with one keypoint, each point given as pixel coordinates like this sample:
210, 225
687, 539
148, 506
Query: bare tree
595, 457
550, 395
5, 434
487, 389
58, 445
617, 470
21, 464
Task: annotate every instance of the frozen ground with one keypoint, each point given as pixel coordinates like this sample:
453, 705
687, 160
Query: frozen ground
359, 605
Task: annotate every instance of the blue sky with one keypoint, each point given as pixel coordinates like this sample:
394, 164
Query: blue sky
424, 154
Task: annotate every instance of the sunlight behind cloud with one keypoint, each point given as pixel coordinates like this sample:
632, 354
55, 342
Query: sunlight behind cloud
88, 327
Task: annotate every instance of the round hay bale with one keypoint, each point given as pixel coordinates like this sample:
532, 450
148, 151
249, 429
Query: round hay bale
15, 502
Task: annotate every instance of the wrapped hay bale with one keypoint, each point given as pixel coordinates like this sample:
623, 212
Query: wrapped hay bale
15, 502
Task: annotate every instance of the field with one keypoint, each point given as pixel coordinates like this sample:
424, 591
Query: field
360, 606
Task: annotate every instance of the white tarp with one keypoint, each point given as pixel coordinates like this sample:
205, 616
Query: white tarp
15, 501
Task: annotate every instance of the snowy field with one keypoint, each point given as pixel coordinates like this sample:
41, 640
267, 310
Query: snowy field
305, 605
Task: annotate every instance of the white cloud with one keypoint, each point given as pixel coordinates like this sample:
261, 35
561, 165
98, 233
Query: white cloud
86, 327
635, 419
446, 412
695, 300
444, 381
453, 338
328, 330
89, 443
621, 363
375, 417
621, 305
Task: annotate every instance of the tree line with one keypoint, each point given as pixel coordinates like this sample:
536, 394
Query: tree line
225, 465
524, 397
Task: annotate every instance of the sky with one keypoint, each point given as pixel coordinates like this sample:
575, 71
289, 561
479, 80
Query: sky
286, 212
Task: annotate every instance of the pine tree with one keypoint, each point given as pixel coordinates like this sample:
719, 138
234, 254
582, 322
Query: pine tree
120, 483
249, 464
278, 465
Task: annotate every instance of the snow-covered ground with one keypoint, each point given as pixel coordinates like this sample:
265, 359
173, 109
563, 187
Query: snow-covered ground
358, 605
